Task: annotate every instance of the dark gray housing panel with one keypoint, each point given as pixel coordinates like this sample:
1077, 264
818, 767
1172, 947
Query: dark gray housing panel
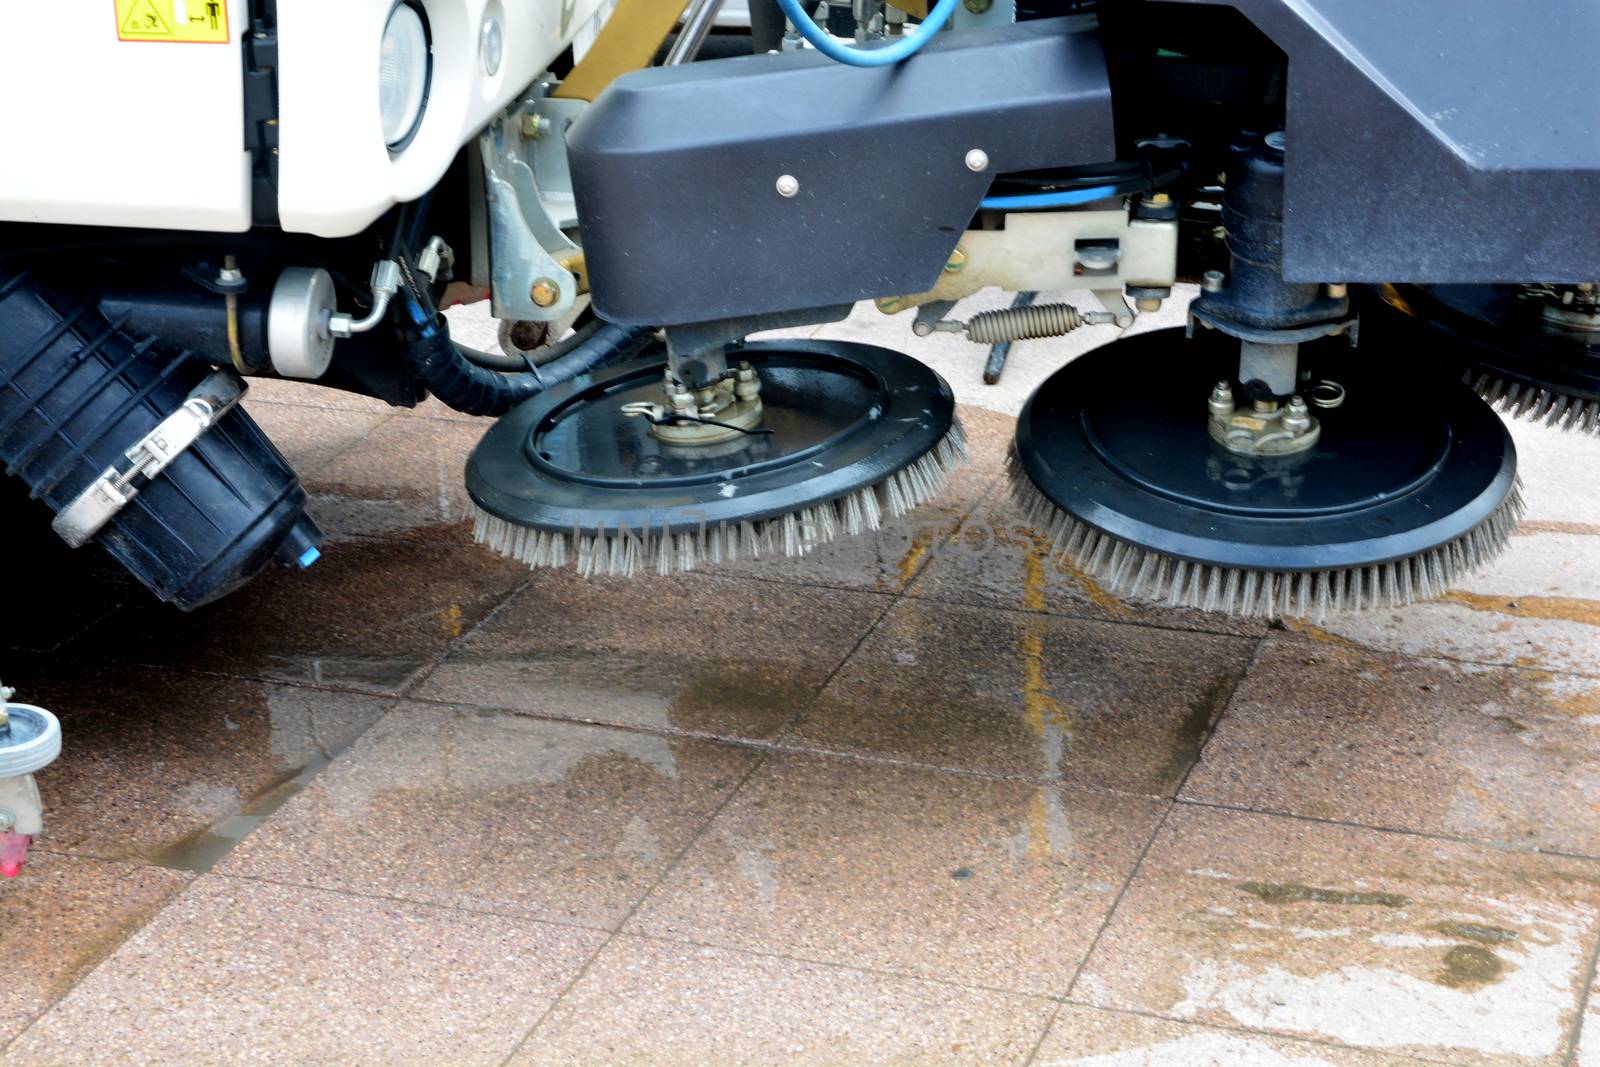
1439, 140
676, 169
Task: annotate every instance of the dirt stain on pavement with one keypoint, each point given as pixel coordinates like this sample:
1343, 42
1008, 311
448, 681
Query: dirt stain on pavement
1539, 526
1470, 967
1093, 590
911, 562
1294, 893
1317, 633
1550, 608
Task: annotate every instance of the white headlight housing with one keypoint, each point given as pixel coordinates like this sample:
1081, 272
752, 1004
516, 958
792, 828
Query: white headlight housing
403, 69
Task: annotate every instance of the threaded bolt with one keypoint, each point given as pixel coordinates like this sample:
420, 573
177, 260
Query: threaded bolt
1296, 416
1221, 403
544, 292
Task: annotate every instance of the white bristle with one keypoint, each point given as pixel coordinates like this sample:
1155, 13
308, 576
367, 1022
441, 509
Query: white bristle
1126, 570
624, 553
1533, 403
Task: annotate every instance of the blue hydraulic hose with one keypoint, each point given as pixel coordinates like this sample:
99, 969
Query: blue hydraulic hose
1064, 198
886, 56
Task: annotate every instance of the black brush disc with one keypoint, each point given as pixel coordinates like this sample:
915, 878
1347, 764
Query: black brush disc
1498, 341
844, 418
1409, 462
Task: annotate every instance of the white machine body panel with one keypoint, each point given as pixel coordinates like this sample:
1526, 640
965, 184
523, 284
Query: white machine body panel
103, 131
335, 174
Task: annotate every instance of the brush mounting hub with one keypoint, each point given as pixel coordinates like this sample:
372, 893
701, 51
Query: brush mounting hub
724, 411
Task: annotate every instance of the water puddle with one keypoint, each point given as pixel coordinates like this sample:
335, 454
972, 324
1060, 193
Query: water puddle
200, 852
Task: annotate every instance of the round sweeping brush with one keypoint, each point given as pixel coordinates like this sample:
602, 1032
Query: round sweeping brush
1532, 352
848, 436
1132, 572
1410, 485
1531, 401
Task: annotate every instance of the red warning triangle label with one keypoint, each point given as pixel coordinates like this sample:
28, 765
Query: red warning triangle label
146, 20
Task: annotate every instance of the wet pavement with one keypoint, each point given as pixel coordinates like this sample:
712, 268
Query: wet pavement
927, 796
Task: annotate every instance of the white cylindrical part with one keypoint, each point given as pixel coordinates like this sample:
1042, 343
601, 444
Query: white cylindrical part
1274, 364
299, 342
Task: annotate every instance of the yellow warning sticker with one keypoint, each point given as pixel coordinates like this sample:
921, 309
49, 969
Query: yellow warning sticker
188, 21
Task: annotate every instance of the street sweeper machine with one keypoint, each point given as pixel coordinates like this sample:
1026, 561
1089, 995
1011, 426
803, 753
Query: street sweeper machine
1388, 207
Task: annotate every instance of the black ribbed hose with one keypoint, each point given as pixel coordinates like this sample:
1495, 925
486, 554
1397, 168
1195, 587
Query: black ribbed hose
474, 390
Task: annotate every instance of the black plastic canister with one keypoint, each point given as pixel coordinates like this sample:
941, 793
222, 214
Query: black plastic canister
76, 391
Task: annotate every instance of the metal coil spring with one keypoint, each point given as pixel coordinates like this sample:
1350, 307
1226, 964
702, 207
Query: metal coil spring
1023, 323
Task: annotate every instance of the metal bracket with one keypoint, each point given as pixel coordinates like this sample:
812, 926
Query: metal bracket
534, 266
1103, 251
79, 521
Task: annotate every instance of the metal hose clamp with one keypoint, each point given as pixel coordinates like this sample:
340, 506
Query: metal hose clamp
79, 521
